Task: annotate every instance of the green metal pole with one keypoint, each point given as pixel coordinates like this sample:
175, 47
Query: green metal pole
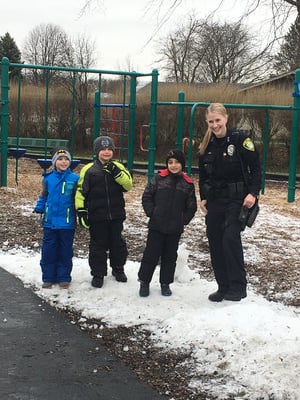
122, 144
191, 134
131, 130
265, 151
46, 113
4, 119
153, 124
73, 114
96, 130
18, 123
96, 115
294, 139
180, 120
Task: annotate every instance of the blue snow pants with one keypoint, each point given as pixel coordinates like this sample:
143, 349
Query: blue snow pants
57, 253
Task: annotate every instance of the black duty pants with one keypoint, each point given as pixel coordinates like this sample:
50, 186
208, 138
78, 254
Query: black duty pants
163, 246
106, 241
224, 237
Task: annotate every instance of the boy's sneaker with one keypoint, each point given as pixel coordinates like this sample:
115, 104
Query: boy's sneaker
144, 289
47, 285
64, 285
165, 289
119, 274
97, 282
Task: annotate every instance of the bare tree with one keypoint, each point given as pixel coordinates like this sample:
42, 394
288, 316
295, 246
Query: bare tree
288, 57
231, 55
81, 56
46, 44
180, 52
279, 10
209, 52
88, 5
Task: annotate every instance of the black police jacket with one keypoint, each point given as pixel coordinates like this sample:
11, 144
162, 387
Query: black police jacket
230, 167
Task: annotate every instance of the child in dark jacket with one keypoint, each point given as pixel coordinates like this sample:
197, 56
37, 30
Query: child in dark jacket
56, 203
100, 208
169, 201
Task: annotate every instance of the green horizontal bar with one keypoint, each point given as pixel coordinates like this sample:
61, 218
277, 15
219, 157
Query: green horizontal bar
69, 69
227, 105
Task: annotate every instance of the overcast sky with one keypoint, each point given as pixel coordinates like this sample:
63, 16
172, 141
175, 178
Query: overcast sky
121, 30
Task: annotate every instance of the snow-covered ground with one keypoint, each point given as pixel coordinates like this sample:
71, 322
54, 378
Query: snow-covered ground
239, 350
248, 349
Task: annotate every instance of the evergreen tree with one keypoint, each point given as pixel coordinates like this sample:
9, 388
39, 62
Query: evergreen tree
288, 57
9, 49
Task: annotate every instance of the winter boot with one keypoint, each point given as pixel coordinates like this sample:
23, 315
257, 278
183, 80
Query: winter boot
144, 289
97, 281
218, 295
165, 289
119, 274
235, 295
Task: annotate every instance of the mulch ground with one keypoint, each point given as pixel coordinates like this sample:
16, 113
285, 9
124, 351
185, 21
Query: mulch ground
164, 371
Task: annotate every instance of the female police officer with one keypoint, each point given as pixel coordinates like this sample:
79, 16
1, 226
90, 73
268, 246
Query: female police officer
229, 178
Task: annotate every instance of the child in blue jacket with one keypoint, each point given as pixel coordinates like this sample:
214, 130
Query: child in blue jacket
56, 203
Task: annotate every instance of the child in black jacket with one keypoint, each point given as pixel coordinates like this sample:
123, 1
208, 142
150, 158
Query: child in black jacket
100, 206
169, 201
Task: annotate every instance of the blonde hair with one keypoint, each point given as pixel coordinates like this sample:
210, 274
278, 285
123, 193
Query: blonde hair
217, 108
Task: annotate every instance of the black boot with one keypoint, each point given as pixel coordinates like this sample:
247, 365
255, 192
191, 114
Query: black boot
218, 295
97, 281
144, 289
235, 295
119, 274
165, 289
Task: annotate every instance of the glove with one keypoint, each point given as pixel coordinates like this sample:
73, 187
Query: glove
112, 169
35, 210
83, 218
39, 216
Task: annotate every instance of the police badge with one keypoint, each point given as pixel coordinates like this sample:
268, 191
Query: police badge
231, 150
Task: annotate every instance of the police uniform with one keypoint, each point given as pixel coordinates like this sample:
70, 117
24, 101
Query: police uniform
228, 170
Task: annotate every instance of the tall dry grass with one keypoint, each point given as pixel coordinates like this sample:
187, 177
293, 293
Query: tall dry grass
33, 123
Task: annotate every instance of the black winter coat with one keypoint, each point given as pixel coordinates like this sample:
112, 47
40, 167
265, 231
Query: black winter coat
169, 201
104, 198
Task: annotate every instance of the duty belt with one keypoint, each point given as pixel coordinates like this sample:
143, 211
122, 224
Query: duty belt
232, 190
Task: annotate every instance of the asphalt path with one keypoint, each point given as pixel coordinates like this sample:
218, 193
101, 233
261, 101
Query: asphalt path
45, 357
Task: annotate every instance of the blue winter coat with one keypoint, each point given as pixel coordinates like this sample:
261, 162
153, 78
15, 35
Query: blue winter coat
57, 199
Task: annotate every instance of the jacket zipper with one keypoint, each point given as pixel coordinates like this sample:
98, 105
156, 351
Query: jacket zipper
107, 196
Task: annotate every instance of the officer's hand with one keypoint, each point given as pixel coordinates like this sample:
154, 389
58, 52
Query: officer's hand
83, 218
249, 200
112, 169
203, 208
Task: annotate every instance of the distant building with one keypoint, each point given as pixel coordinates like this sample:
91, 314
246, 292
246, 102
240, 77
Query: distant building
282, 81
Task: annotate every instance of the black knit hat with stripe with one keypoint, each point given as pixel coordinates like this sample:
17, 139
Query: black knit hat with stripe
178, 155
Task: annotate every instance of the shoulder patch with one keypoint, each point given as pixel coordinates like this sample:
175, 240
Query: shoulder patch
248, 144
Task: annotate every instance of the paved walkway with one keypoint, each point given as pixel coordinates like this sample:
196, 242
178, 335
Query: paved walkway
44, 357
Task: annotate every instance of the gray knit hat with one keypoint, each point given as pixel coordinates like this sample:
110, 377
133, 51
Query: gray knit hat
59, 153
103, 142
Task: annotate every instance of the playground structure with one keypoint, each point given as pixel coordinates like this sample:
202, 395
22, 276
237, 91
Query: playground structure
118, 121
